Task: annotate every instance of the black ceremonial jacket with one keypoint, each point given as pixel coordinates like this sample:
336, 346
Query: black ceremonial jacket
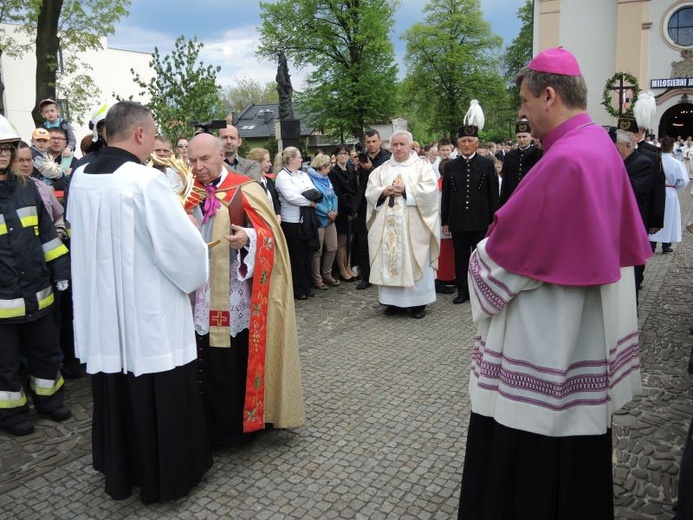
470, 194
515, 166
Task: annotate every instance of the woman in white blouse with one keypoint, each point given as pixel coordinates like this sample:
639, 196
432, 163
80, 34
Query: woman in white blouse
291, 182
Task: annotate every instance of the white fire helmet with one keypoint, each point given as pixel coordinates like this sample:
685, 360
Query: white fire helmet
8, 132
98, 115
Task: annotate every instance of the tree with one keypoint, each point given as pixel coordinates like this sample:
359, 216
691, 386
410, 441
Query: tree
519, 52
64, 28
10, 12
452, 59
247, 92
346, 43
182, 90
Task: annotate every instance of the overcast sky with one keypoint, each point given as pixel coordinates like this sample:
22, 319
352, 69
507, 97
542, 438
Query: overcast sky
229, 31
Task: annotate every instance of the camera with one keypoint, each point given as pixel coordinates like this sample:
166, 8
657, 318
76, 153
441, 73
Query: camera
206, 126
363, 157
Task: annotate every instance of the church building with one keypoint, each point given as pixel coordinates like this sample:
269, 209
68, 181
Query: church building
623, 45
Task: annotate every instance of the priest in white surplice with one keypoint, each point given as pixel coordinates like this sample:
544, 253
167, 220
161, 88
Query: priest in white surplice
135, 258
403, 229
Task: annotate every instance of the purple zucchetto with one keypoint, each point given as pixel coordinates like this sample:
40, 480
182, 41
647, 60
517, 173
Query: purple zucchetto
556, 61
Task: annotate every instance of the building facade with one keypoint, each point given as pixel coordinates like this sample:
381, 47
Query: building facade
648, 40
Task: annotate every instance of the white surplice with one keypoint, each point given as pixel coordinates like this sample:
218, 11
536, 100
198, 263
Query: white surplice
551, 359
135, 258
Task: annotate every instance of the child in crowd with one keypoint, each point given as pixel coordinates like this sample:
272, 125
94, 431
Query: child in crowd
51, 114
49, 170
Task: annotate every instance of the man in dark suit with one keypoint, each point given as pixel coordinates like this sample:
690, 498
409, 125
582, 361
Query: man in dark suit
469, 199
643, 174
369, 160
518, 161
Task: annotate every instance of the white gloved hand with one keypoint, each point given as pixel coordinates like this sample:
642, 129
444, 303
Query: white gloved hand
62, 284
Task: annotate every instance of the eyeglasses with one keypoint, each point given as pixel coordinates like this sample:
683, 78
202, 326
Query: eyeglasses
58, 139
6, 149
24, 160
181, 146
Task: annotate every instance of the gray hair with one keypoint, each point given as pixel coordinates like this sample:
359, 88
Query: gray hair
627, 138
404, 133
572, 89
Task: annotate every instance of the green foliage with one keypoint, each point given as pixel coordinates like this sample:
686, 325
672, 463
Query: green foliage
346, 43
67, 27
452, 58
248, 92
181, 90
82, 23
519, 53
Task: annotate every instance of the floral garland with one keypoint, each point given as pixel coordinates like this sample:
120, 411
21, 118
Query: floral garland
607, 99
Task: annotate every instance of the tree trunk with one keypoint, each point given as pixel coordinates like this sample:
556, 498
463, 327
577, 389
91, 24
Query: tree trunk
2, 91
47, 46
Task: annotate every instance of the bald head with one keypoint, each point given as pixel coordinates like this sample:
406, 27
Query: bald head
206, 156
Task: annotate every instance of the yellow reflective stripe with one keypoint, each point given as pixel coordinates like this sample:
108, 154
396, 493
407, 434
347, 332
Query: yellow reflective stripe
12, 399
45, 298
3, 226
28, 216
46, 387
12, 308
53, 249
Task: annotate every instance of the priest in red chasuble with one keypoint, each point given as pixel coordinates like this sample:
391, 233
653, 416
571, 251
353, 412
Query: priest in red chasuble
245, 323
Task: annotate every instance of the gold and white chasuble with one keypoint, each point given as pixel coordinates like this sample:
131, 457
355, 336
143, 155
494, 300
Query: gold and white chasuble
403, 232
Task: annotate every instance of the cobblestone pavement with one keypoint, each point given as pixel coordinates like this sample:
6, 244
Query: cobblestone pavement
387, 409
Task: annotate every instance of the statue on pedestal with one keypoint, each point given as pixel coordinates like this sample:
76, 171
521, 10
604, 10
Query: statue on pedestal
284, 89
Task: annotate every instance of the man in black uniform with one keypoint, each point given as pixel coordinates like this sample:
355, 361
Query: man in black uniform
369, 161
643, 175
518, 161
469, 199
644, 110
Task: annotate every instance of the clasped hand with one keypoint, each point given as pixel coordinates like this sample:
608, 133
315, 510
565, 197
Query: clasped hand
238, 238
394, 190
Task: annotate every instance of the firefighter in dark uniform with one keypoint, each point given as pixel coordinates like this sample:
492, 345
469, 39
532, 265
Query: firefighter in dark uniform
32, 260
469, 199
518, 161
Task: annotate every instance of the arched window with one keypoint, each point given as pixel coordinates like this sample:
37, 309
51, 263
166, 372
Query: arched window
680, 26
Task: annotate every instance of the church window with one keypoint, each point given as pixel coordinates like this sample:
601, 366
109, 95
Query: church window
680, 26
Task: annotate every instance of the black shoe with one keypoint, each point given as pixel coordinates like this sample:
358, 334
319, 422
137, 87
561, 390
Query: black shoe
363, 284
419, 313
311, 294
444, 289
19, 429
391, 310
302, 297
667, 250
461, 298
60, 414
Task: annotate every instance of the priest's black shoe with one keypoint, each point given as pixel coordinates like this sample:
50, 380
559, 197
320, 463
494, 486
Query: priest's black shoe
419, 312
391, 310
363, 284
667, 250
19, 429
302, 297
60, 414
461, 298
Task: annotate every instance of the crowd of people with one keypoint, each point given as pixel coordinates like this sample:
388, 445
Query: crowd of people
184, 359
